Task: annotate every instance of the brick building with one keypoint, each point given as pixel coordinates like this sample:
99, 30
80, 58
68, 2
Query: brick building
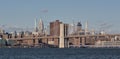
55, 28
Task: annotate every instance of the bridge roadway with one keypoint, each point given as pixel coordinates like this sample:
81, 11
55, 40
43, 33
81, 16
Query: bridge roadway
69, 36
75, 40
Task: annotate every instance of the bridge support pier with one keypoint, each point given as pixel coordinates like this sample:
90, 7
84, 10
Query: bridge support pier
61, 40
83, 41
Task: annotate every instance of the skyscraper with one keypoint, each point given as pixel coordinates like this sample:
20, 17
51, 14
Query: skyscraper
86, 27
71, 29
36, 28
41, 26
79, 26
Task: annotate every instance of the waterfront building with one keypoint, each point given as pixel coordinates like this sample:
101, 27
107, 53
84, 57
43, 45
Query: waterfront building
111, 43
1, 31
55, 28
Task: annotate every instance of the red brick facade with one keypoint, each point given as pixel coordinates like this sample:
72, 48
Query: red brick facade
55, 28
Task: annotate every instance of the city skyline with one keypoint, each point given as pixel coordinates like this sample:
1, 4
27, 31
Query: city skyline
99, 14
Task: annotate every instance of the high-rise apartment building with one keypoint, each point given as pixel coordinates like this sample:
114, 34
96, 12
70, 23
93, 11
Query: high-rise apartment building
55, 28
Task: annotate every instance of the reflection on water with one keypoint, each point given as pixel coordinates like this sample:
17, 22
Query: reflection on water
55, 53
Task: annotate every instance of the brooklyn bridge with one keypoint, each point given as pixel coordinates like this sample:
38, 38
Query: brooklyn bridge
61, 42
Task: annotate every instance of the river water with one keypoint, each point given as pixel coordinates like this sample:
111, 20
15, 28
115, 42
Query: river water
56, 53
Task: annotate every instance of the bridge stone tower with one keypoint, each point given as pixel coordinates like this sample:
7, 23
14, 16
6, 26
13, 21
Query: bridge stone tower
63, 33
61, 40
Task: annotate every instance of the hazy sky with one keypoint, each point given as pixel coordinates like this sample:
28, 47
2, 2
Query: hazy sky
104, 14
